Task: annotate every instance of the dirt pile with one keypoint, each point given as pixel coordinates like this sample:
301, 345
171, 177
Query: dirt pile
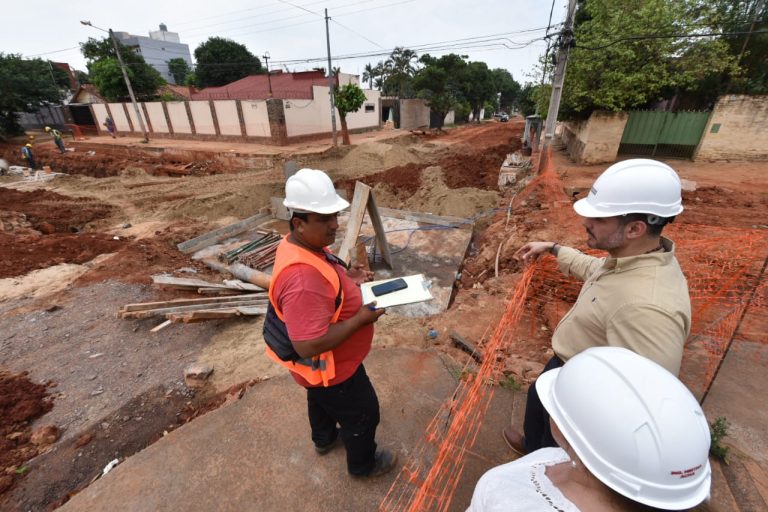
49, 212
139, 259
21, 401
371, 157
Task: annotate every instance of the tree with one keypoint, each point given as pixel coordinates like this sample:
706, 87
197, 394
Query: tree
222, 61
349, 98
439, 83
179, 70
615, 66
368, 75
526, 101
478, 86
104, 70
25, 84
397, 73
506, 87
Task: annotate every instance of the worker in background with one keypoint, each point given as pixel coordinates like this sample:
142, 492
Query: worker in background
56, 134
631, 438
635, 298
318, 327
26, 152
109, 124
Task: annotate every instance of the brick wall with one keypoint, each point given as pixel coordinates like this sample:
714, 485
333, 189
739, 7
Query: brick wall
736, 130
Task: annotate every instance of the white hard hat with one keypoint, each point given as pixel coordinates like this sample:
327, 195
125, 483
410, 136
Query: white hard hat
638, 185
310, 190
633, 424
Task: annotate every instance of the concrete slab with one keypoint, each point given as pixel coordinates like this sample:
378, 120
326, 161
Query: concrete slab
256, 454
736, 393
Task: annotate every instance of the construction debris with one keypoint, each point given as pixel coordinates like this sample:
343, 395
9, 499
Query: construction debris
197, 310
196, 375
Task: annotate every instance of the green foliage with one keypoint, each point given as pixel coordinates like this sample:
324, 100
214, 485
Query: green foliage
526, 101
21, 470
719, 430
509, 382
82, 77
461, 112
222, 61
105, 73
439, 82
179, 70
349, 98
607, 74
507, 88
477, 87
25, 84
394, 76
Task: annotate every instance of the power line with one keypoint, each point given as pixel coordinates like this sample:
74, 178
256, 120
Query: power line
357, 34
666, 36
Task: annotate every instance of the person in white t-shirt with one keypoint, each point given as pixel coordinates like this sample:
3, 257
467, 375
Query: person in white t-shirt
631, 437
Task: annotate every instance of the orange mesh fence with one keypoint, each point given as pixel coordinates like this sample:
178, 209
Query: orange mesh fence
729, 300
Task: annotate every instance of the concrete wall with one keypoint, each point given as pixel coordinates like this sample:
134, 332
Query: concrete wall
597, 139
119, 117
737, 129
413, 114
201, 116
100, 114
177, 112
307, 117
226, 115
135, 118
256, 118
157, 116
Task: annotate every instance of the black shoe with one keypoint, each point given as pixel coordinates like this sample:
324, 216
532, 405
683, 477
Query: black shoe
322, 450
385, 461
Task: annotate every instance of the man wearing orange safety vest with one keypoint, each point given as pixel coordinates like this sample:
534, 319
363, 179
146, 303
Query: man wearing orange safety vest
318, 327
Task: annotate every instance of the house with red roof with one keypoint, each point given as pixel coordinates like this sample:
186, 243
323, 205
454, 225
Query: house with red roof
294, 86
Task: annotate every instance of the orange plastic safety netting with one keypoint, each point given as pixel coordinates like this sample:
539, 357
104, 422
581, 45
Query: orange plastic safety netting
729, 299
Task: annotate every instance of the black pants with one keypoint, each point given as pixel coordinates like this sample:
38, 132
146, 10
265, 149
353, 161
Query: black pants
354, 406
536, 424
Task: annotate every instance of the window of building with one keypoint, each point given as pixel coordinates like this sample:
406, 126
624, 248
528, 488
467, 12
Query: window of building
370, 107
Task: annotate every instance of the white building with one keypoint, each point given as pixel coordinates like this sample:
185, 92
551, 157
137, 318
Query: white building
157, 49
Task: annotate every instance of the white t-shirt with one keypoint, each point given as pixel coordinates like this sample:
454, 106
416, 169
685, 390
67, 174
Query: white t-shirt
522, 485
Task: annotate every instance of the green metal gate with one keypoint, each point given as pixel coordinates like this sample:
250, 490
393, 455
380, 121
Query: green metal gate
667, 134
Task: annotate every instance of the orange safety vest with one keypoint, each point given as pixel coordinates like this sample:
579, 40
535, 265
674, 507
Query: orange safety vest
320, 368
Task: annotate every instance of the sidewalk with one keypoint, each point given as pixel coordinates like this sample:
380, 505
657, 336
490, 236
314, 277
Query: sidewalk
255, 454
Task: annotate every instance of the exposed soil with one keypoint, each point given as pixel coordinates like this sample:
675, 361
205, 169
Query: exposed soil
49, 212
21, 402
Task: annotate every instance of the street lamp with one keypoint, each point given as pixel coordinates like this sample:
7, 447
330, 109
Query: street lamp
125, 76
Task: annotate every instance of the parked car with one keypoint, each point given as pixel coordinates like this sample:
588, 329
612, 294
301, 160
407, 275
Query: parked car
504, 118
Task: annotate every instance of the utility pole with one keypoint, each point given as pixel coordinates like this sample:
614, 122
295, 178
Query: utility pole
565, 42
330, 78
269, 78
128, 84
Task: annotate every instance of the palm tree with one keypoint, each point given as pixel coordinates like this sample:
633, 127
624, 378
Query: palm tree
368, 75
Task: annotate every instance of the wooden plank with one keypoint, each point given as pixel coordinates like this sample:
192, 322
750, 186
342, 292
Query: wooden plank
361, 254
217, 235
183, 309
378, 228
215, 314
242, 285
357, 213
427, 218
161, 326
185, 282
467, 346
252, 310
143, 306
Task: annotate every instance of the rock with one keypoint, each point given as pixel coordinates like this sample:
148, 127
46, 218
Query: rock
14, 436
196, 375
126, 225
46, 228
46, 435
84, 440
688, 185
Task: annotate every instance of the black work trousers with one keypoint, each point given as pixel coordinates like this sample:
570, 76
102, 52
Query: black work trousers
352, 404
538, 433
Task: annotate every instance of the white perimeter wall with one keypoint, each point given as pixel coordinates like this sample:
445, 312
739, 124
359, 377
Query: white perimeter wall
201, 115
100, 112
305, 117
157, 117
256, 118
118, 116
177, 112
134, 119
226, 115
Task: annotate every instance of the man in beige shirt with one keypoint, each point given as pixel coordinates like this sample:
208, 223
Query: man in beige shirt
635, 298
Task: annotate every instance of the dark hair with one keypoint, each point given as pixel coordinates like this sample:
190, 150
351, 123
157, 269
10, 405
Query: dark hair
653, 229
298, 215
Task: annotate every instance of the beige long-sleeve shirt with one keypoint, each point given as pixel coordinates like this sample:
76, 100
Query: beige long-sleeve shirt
638, 302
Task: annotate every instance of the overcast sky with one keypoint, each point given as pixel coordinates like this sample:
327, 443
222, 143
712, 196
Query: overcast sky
485, 30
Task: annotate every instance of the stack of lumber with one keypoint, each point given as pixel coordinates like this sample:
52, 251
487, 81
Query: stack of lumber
228, 287
198, 310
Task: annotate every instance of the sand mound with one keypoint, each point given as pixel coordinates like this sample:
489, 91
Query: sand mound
434, 196
371, 157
